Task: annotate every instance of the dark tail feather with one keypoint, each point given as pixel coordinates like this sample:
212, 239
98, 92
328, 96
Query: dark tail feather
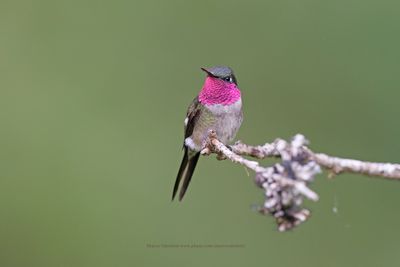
186, 171
181, 172
188, 174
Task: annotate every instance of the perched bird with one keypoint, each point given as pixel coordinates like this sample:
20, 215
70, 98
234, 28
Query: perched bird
217, 107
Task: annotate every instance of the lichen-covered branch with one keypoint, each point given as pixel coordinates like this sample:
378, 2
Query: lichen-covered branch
334, 164
286, 183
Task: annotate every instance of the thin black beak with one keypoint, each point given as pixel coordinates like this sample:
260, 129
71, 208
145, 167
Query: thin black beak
206, 71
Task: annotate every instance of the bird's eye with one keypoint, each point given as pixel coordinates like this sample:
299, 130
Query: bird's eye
228, 79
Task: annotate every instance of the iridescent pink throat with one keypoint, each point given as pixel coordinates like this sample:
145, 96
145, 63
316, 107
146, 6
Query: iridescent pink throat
217, 91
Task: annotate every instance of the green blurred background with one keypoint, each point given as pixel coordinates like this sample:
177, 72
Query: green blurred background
92, 101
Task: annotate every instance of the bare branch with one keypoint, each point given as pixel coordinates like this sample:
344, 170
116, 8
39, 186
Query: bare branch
339, 165
286, 183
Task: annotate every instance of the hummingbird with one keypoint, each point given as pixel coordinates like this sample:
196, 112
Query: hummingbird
217, 107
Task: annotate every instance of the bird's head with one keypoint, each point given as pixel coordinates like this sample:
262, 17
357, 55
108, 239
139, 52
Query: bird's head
220, 86
223, 73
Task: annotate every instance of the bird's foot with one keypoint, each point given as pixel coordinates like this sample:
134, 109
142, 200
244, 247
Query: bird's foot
205, 152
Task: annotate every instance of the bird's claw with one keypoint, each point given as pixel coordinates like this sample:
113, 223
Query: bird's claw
205, 152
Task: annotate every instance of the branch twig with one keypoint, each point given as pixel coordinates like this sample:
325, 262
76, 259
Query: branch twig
286, 183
